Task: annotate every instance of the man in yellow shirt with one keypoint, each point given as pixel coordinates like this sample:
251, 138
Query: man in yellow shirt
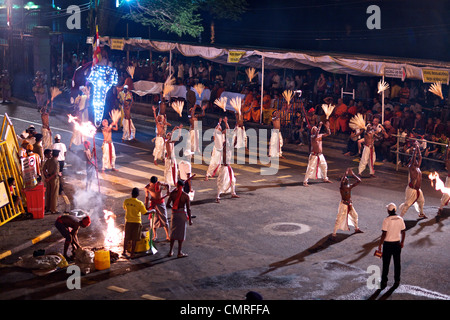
134, 209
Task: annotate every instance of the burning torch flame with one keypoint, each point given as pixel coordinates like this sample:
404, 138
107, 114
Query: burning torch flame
113, 235
87, 129
439, 183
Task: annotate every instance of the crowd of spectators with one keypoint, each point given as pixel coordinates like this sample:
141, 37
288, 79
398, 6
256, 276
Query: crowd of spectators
410, 109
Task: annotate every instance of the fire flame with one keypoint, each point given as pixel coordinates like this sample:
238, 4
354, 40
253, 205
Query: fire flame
113, 236
87, 129
439, 183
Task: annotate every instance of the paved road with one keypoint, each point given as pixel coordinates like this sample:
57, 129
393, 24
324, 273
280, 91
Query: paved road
274, 239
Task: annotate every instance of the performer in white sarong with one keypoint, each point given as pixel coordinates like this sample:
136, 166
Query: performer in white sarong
347, 215
170, 161
276, 139
47, 141
413, 193
226, 180
109, 152
194, 131
161, 125
368, 157
317, 165
216, 156
445, 196
126, 101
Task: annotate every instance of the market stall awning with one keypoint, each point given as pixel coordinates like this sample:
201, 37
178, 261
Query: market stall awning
353, 64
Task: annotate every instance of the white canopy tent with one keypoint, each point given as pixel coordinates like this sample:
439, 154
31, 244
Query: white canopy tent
352, 64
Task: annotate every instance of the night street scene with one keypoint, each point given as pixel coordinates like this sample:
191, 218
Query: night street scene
225, 158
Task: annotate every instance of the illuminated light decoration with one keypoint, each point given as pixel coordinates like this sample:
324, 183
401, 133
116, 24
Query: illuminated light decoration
102, 79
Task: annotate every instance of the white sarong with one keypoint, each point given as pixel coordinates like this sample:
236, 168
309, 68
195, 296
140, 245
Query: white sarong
129, 131
412, 196
46, 139
276, 143
345, 217
171, 171
368, 157
445, 196
239, 137
109, 155
158, 151
193, 143
317, 167
215, 162
226, 180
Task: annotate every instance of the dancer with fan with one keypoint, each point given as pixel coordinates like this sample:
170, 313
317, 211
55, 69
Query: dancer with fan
317, 165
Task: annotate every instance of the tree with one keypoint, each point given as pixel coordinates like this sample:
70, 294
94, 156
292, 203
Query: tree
183, 16
172, 16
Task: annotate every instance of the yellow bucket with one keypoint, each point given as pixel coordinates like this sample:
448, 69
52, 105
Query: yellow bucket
102, 259
143, 245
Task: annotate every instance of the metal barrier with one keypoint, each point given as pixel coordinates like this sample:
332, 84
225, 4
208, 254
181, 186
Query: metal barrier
10, 168
398, 153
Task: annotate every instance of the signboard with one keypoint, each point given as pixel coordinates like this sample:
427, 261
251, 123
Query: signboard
117, 44
399, 73
431, 76
235, 56
29, 172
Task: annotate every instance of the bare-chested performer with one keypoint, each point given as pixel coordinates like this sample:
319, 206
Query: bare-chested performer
181, 214
161, 127
47, 141
126, 101
239, 133
368, 156
193, 144
317, 165
216, 155
445, 196
413, 193
226, 180
109, 152
153, 195
346, 213
276, 139
170, 161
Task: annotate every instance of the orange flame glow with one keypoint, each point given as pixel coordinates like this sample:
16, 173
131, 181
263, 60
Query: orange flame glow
113, 236
87, 129
439, 183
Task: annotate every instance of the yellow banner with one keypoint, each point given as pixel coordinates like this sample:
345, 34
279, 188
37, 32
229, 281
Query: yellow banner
431, 76
117, 44
235, 56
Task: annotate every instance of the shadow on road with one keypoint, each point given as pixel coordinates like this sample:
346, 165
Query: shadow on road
385, 296
321, 245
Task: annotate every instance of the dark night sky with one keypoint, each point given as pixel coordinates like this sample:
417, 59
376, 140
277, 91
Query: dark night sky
409, 28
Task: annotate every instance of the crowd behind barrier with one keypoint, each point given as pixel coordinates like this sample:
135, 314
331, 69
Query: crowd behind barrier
409, 106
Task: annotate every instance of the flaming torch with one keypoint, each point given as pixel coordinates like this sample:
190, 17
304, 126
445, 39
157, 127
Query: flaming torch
113, 236
439, 185
86, 129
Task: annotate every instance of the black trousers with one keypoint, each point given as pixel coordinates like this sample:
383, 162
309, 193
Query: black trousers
391, 249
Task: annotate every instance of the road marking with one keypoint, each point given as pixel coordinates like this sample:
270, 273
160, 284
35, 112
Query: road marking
260, 180
204, 190
117, 289
284, 177
300, 228
150, 297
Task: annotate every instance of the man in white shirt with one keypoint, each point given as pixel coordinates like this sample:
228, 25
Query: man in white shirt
58, 145
392, 240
